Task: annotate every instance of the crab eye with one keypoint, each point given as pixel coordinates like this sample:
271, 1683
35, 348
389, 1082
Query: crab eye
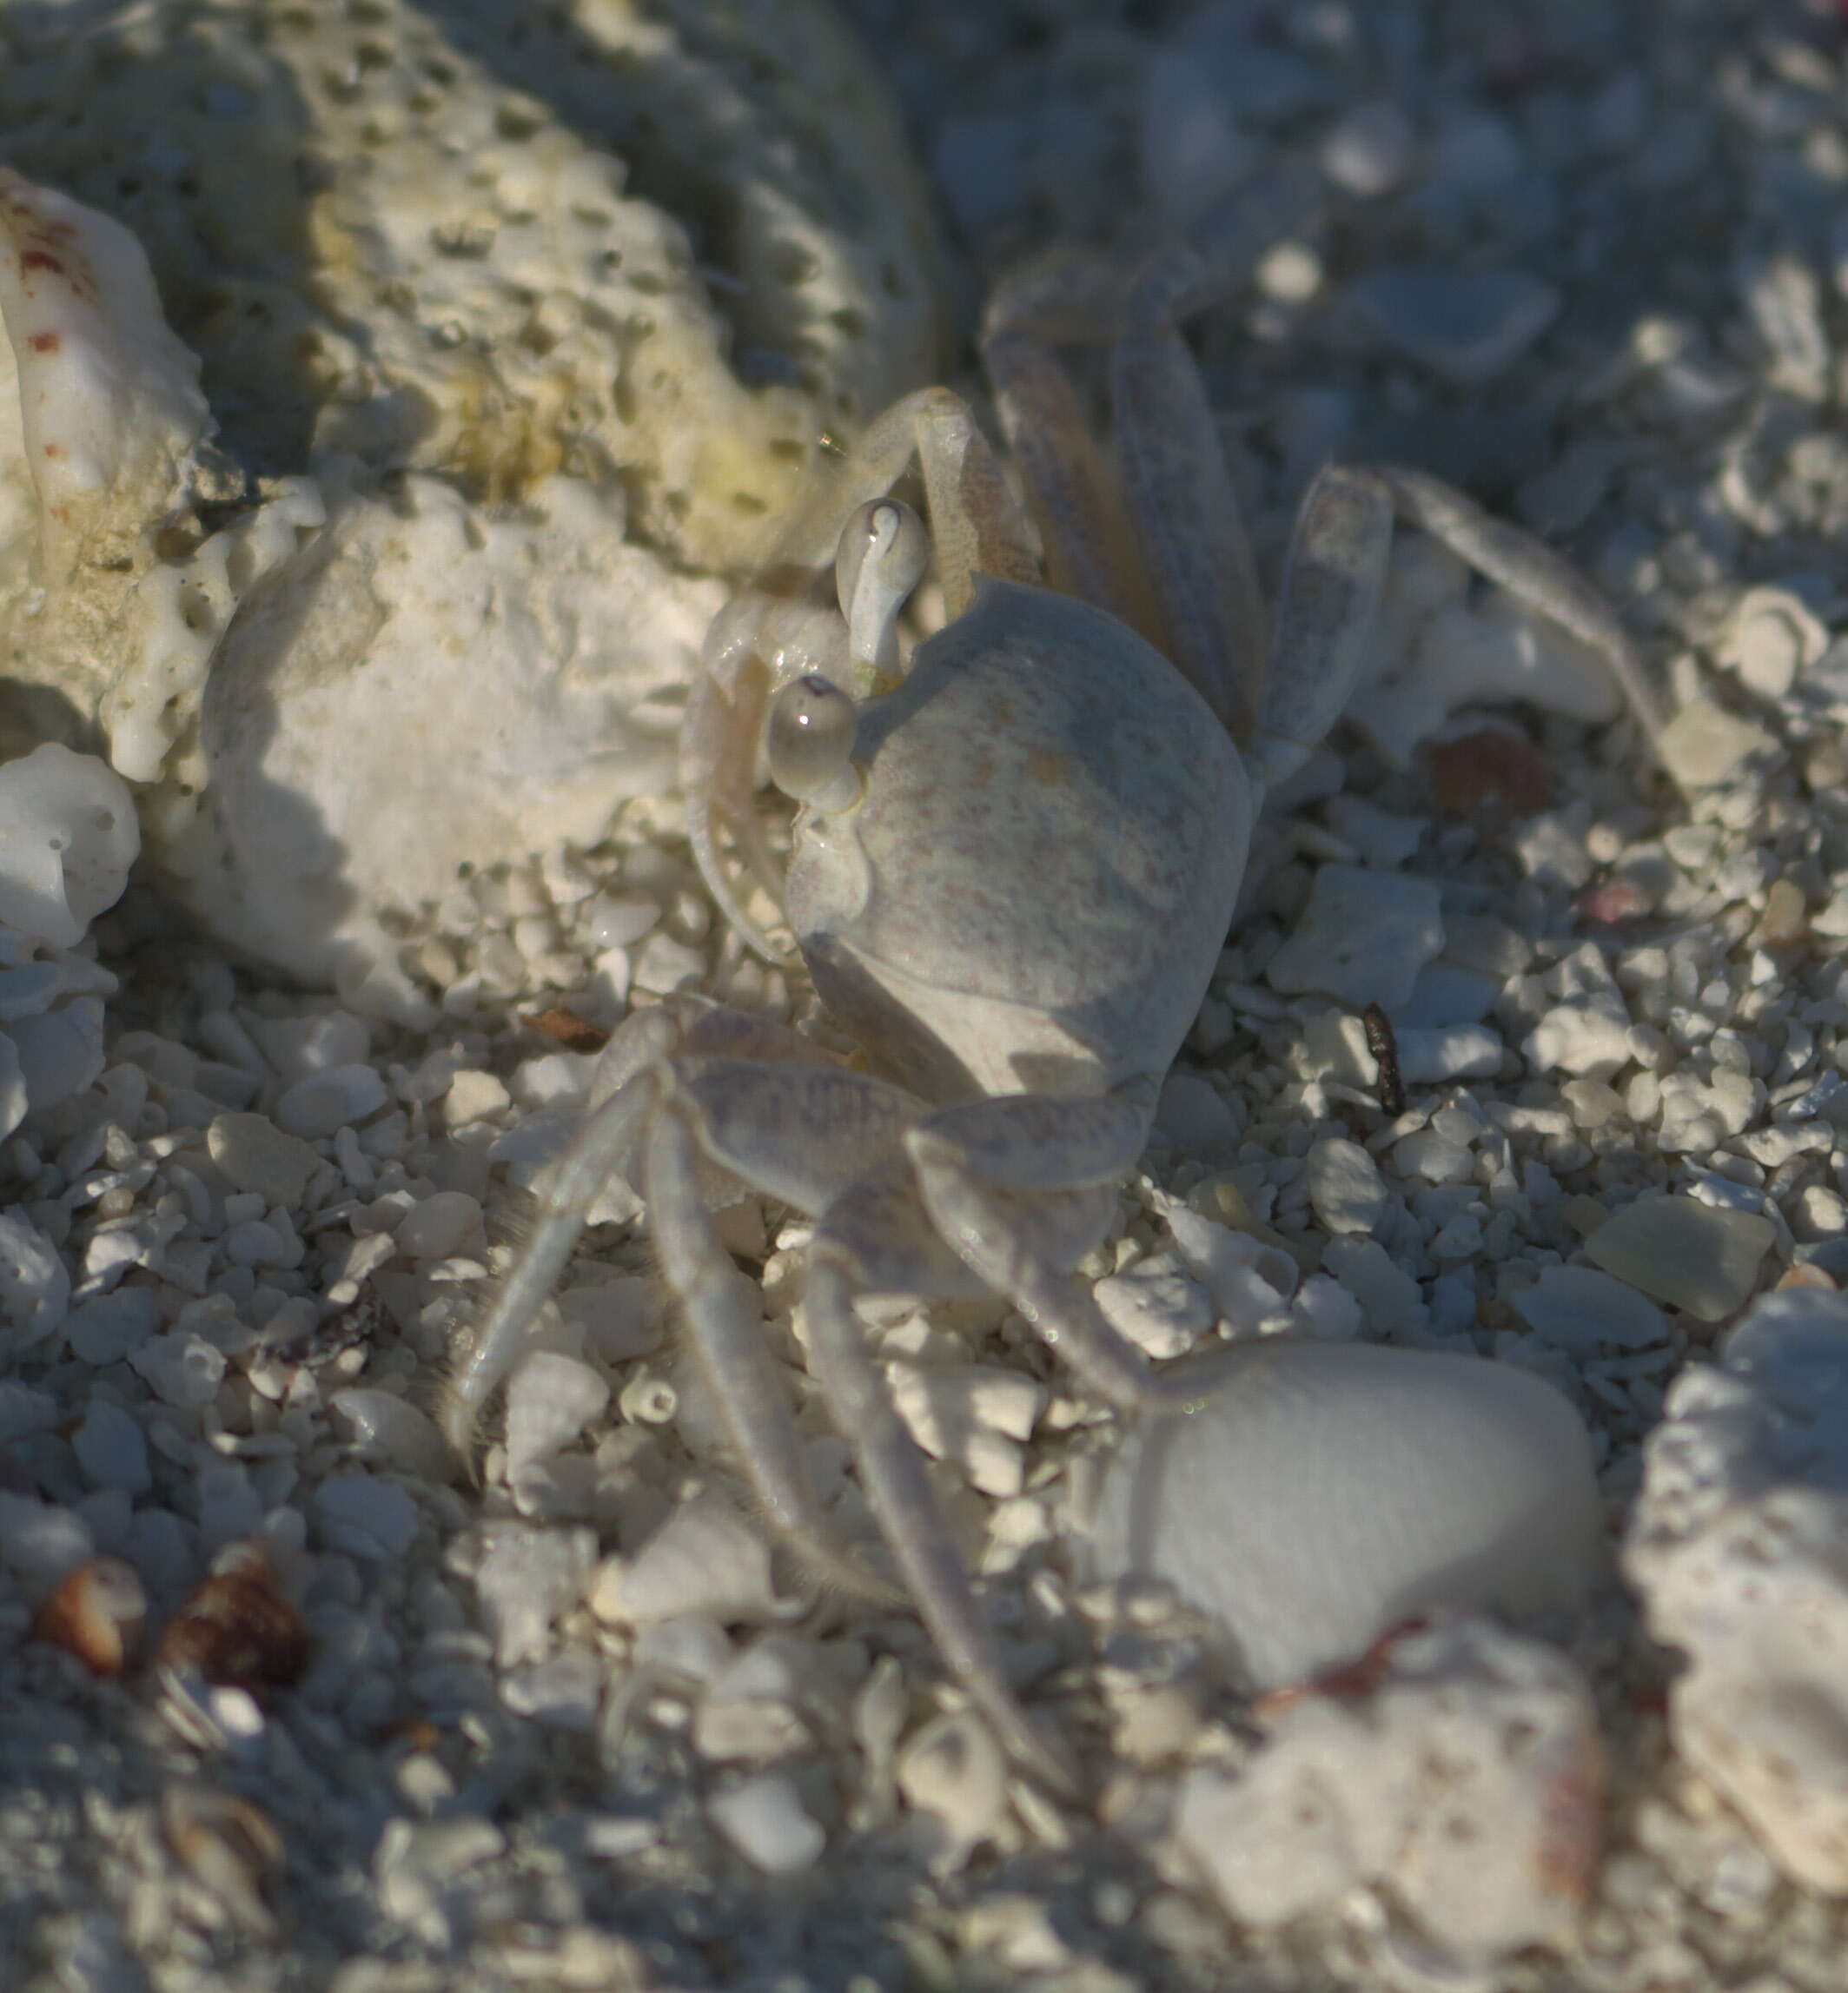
883, 548
811, 743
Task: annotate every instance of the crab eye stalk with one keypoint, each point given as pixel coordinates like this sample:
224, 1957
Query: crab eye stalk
812, 724
883, 548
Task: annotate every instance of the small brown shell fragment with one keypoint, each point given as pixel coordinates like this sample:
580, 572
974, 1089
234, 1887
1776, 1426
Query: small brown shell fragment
96, 1614
238, 1628
1494, 770
565, 1028
229, 1846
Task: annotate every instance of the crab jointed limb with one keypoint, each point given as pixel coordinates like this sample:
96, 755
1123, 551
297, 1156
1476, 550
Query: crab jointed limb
1014, 865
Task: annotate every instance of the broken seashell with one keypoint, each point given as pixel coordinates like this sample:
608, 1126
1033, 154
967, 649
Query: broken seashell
97, 1613
238, 1628
229, 1846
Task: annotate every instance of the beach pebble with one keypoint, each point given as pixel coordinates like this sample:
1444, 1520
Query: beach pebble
1369, 151
526, 1579
1156, 1305
1581, 1310
1735, 1545
1347, 1191
1388, 1295
1466, 326
105, 1327
365, 1516
180, 1367
331, 1099
765, 1820
418, 1860
255, 1155
1195, 1115
392, 1432
563, 1691
1703, 1114
1701, 1258
550, 1398
1325, 1492
951, 1769
1585, 1032
474, 1095
1334, 1047
35, 1284
1431, 1056
1459, 1769
41, 1542
111, 1450
1248, 1281
1384, 838
977, 1414
443, 1224
1704, 744
704, 1558
1363, 936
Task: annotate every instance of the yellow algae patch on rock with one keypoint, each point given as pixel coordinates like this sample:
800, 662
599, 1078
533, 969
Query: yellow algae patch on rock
497, 242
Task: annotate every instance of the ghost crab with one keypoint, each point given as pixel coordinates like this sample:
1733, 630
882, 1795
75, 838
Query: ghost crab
1015, 862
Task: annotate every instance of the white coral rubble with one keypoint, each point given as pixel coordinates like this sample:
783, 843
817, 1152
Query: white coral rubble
67, 837
1461, 1773
1739, 1547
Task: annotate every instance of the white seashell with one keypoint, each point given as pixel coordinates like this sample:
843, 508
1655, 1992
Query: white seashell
550, 1398
1325, 1492
68, 835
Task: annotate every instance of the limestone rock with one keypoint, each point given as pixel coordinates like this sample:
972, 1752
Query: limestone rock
1740, 1546
517, 333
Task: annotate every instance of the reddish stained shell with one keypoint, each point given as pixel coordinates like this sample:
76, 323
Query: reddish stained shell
96, 1614
238, 1628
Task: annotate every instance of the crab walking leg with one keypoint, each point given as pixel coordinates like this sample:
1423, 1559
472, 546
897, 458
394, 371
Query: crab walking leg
1181, 492
1074, 496
591, 1161
1175, 473
1334, 576
1532, 571
1022, 1204
904, 1503
725, 1330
